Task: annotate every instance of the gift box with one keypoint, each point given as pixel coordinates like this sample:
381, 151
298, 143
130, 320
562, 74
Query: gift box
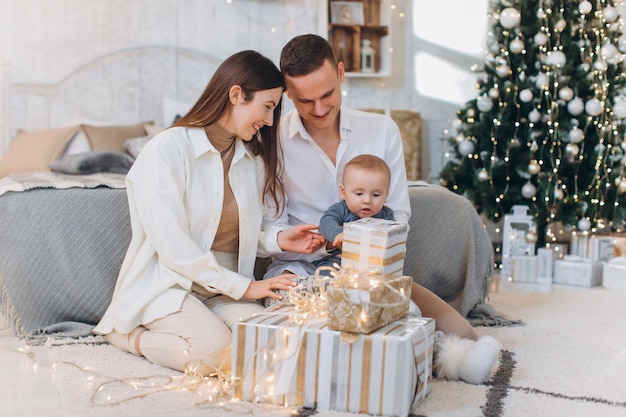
524, 268
545, 263
614, 273
362, 302
593, 247
280, 357
374, 243
575, 270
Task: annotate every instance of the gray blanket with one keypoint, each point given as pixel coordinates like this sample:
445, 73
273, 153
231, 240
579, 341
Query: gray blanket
60, 253
448, 248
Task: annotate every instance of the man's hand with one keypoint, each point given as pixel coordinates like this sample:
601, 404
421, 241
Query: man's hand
302, 238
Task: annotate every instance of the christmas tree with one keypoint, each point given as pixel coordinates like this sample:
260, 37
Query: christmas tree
547, 126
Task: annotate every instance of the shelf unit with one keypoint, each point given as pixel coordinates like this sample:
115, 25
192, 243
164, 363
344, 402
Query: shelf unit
346, 32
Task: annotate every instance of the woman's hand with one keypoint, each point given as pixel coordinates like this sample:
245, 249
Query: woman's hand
302, 238
265, 288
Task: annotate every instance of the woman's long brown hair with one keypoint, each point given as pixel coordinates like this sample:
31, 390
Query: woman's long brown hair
252, 72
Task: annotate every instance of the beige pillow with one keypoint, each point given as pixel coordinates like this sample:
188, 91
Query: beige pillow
33, 151
112, 138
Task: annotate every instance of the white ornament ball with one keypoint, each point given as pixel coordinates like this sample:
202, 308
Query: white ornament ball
503, 71
483, 175
584, 224
534, 115
466, 147
609, 52
558, 194
556, 58
494, 92
622, 186
534, 168
540, 38
610, 14
542, 81
510, 17
600, 65
526, 95
484, 103
585, 7
516, 46
576, 135
619, 109
576, 106
560, 25
566, 93
594, 107
529, 190
571, 149
621, 45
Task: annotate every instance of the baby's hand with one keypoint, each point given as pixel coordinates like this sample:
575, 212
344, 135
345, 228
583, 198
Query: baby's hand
338, 241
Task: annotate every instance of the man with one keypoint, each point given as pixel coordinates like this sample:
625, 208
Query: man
320, 136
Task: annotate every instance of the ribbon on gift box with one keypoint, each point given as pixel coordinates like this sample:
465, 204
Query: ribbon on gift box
281, 361
361, 302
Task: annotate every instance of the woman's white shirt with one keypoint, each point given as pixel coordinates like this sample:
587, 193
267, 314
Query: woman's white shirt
175, 191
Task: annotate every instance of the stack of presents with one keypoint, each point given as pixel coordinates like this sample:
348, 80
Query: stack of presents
587, 260
351, 346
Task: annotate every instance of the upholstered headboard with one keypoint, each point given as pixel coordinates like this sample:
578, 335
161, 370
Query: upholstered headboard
122, 86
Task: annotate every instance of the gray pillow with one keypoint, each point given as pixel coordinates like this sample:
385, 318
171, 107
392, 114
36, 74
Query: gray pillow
93, 162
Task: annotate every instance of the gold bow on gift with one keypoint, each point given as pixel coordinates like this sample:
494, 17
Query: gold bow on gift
362, 302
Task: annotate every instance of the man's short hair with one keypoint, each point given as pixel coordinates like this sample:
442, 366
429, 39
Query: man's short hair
304, 54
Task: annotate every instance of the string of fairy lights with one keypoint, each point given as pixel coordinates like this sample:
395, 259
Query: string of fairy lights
554, 139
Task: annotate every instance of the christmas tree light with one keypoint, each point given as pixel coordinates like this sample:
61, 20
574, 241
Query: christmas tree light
547, 126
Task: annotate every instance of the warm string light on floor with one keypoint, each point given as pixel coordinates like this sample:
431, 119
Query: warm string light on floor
213, 390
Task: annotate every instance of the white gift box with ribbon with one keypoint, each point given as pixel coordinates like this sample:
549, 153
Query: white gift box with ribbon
614, 273
575, 270
374, 243
524, 268
279, 358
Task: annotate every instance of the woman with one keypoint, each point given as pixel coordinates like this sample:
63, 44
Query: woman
196, 195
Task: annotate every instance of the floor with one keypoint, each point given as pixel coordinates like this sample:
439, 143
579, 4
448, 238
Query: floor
31, 391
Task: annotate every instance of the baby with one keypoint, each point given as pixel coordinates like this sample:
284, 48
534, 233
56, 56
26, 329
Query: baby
363, 191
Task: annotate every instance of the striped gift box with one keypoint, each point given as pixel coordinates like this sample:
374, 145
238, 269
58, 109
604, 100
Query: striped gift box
376, 243
279, 360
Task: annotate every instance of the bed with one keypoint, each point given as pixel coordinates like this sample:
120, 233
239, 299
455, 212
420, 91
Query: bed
63, 234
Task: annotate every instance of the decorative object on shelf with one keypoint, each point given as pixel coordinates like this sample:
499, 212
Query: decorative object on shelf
367, 56
350, 24
346, 13
518, 237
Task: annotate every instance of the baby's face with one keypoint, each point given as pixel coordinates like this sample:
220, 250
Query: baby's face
364, 191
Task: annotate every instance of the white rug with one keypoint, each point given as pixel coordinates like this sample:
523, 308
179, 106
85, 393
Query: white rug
569, 359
